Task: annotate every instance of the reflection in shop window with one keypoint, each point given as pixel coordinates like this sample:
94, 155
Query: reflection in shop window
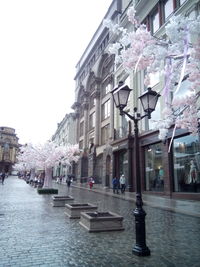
186, 164
123, 163
154, 173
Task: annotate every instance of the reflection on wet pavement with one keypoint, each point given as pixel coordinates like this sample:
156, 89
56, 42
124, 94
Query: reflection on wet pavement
33, 233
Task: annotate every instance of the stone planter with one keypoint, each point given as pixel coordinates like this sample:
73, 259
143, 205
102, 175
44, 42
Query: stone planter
101, 221
73, 211
60, 201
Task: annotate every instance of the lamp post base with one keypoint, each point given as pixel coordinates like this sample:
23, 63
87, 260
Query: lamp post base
140, 248
141, 251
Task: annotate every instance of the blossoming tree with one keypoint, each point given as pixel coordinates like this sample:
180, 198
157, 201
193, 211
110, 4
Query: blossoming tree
27, 159
176, 57
47, 156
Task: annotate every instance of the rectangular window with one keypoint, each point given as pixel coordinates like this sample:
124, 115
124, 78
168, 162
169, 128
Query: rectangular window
186, 159
168, 8
105, 134
154, 78
92, 121
81, 145
155, 116
105, 111
154, 173
92, 101
155, 23
106, 88
182, 1
81, 128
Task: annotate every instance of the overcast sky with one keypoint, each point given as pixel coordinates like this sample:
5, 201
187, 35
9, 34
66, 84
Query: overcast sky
40, 43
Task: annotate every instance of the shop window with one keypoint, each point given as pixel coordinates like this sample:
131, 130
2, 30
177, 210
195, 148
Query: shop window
105, 111
186, 156
154, 173
123, 163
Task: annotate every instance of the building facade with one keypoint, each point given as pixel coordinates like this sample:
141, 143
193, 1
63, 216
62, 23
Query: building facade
106, 138
8, 149
64, 135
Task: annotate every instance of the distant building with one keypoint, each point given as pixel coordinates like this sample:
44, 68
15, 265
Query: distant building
65, 134
8, 148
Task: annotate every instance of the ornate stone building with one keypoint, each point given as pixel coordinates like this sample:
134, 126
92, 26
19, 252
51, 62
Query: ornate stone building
106, 139
8, 148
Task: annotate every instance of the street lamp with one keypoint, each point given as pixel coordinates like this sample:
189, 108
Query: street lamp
148, 100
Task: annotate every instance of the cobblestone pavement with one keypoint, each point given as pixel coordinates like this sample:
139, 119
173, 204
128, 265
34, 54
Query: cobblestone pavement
33, 233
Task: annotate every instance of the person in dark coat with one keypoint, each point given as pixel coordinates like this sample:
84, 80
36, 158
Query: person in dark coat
3, 177
116, 185
69, 181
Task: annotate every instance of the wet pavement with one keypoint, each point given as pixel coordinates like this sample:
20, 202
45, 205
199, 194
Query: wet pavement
33, 233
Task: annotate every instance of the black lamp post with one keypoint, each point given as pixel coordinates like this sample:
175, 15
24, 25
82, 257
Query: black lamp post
148, 100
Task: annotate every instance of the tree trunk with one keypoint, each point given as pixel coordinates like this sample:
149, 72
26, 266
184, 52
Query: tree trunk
32, 174
48, 178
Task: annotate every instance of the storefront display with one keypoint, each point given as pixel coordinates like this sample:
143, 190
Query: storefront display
186, 159
154, 173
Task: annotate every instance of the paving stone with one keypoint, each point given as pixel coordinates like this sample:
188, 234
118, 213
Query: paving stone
33, 233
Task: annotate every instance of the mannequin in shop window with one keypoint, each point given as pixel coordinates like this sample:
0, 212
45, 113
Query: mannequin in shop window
158, 181
192, 178
161, 175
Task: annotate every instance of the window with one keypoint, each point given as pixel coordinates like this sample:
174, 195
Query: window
155, 116
154, 79
92, 121
81, 128
105, 134
182, 1
81, 144
105, 111
155, 24
154, 173
186, 159
168, 8
182, 92
92, 101
106, 88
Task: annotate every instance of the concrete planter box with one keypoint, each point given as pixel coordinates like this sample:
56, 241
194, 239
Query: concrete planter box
60, 201
101, 221
73, 211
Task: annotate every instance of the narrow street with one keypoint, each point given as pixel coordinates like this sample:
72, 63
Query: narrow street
33, 233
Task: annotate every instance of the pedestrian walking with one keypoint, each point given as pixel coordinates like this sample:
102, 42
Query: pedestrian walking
91, 182
122, 183
68, 181
115, 183
3, 177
